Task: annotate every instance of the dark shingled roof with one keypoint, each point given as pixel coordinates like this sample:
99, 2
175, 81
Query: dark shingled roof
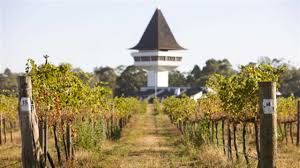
158, 35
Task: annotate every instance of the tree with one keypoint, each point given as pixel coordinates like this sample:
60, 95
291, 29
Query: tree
290, 82
176, 79
130, 81
196, 72
7, 72
199, 77
273, 62
8, 82
85, 77
107, 76
212, 66
193, 75
290, 79
119, 69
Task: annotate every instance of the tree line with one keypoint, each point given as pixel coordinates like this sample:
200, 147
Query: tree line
117, 78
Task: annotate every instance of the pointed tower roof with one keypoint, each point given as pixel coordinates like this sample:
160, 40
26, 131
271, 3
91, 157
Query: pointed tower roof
158, 35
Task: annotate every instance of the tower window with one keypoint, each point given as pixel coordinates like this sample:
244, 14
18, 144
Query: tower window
145, 58
154, 58
171, 58
137, 59
162, 58
178, 58
157, 58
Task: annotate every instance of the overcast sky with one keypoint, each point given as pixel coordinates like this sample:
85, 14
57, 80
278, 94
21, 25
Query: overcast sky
90, 33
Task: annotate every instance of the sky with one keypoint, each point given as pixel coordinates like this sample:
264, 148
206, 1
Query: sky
94, 33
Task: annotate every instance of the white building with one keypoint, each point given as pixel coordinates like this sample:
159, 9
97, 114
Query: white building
157, 52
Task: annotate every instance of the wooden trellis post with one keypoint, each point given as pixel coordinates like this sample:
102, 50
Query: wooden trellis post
268, 125
31, 151
298, 122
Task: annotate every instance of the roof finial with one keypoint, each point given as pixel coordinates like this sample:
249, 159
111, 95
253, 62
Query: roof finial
157, 4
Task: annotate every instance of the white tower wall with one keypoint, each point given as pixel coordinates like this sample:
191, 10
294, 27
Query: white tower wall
158, 79
157, 64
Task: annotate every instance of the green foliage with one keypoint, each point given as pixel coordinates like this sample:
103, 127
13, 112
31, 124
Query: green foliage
177, 79
90, 135
239, 93
180, 109
85, 77
157, 106
234, 97
199, 77
8, 83
63, 96
107, 77
286, 109
59, 93
124, 107
196, 72
193, 116
290, 82
9, 107
130, 81
197, 134
209, 107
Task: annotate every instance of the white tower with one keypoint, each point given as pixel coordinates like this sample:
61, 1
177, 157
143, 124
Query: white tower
158, 52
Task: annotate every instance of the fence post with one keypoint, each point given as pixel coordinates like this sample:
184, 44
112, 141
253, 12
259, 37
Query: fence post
0, 128
268, 124
31, 151
298, 122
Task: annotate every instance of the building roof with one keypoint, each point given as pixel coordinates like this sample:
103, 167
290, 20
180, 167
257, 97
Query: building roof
195, 90
297, 94
158, 35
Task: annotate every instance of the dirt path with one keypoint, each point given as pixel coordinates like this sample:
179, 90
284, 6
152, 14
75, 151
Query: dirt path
149, 141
